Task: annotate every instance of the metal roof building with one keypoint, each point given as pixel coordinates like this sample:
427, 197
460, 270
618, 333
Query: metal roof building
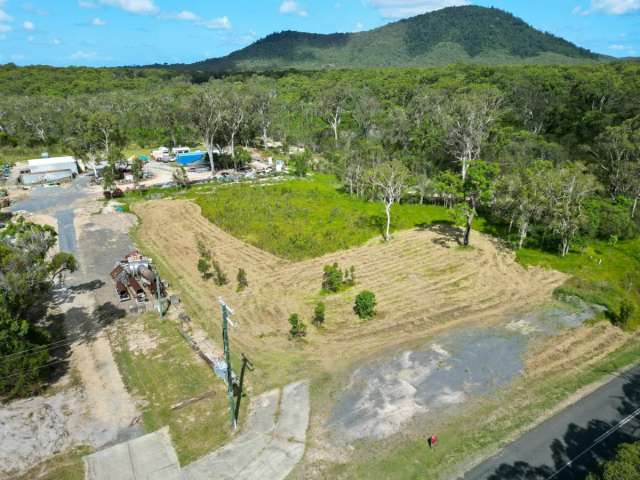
55, 164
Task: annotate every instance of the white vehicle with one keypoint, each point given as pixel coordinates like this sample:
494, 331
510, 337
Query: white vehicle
160, 154
179, 150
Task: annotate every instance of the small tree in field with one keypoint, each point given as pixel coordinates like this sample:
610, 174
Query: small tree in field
389, 181
298, 328
219, 277
319, 314
242, 279
365, 306
204, 267
332, 278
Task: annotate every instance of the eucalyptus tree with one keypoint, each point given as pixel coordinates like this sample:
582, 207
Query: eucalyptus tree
469, 120
263, 94
235, 111
522, 196
478, 188
332, 103
207, 116
618, 159
567, 191
388, 182
366, 111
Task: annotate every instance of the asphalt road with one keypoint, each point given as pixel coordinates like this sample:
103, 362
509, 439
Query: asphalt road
569, 445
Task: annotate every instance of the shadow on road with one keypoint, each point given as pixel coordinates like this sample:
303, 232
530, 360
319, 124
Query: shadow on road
577, 440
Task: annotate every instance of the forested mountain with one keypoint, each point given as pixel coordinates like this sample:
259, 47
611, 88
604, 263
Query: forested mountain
451, 35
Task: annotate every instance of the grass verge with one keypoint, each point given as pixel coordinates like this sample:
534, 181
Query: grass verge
167, 374
66, 466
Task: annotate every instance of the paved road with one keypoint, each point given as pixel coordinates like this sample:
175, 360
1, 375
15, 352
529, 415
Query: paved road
569, 445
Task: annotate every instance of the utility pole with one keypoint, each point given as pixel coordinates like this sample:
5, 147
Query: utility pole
226, 312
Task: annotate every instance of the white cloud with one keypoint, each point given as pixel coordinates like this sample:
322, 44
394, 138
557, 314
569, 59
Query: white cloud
28, 25
221, 23
409, 8
5, 17
291, 6
187, 15
98, 22
87, 4
616, 7
56, 41
82, 55
133, 6
621, 48
5, 28
359, 27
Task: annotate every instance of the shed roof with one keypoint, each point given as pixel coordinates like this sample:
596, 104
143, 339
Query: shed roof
49, 161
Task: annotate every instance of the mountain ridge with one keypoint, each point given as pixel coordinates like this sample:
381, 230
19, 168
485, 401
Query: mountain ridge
467, 34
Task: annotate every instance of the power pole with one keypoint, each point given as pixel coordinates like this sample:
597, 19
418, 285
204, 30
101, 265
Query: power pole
226, 312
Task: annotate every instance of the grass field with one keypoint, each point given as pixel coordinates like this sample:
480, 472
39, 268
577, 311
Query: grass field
303, 219
160, 369
602, 273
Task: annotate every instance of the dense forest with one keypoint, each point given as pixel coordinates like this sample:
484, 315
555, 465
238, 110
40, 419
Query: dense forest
550, 156
467, 34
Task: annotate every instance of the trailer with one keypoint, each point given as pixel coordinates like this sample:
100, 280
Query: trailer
123, 292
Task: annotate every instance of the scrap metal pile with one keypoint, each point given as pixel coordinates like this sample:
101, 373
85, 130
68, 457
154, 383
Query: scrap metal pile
135, 278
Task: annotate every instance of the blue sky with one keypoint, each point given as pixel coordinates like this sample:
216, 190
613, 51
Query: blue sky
127, 32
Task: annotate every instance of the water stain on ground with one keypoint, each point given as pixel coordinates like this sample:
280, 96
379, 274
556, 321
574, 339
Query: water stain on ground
384, 395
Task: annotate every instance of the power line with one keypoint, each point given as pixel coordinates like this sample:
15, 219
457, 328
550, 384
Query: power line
57, 344
49, 364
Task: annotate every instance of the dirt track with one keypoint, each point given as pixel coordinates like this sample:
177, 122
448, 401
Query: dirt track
423, 282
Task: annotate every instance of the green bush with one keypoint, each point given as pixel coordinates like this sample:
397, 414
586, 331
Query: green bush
332, 278
319, 314
242, 279
624, 315
606, 219
301, 163
365, 306
298, 328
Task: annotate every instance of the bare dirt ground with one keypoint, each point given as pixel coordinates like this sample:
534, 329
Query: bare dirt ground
89, 404
423, 283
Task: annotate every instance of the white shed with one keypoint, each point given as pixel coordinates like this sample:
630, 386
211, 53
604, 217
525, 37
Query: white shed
56, 164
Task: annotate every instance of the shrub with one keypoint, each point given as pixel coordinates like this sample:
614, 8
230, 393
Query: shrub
301, 163
365, 306
242, 279
332, 278
219, 277
298, 328
624, 315
204, 268
318, 314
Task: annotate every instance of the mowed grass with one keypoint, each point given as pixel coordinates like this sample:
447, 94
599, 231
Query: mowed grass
306, 218
166, 375
602, 273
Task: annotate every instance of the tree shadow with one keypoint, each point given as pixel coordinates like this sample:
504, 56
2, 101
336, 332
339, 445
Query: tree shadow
447, 233
578, 444
87, 286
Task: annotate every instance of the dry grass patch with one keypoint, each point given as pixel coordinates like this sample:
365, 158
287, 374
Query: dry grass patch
423, 284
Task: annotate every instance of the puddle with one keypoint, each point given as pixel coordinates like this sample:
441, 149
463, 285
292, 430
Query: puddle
384, 395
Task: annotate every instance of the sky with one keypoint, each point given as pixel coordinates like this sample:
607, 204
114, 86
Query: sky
140, 32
